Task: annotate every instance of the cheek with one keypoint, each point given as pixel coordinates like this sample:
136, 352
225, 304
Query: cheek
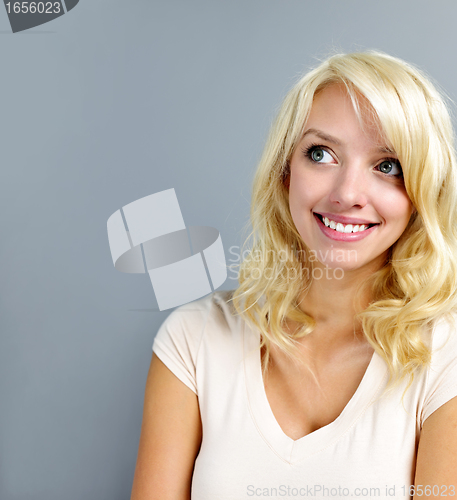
300, 203
303, 191
396, 207
304, 197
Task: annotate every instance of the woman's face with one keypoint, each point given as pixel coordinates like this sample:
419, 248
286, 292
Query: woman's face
346, 192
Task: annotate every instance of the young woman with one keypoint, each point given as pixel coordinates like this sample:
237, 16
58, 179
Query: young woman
332, 369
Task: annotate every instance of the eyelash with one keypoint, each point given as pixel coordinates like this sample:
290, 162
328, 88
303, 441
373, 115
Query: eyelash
308, 151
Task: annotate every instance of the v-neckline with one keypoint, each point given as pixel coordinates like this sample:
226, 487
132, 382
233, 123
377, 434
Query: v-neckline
285, 447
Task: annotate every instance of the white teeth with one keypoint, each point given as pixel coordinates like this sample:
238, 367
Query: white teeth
341, 228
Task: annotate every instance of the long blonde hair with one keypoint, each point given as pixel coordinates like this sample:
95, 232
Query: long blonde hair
418, 283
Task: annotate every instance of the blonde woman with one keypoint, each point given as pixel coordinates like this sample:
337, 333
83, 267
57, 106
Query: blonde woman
332, 370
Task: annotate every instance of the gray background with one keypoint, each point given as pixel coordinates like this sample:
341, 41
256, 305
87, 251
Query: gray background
111, 102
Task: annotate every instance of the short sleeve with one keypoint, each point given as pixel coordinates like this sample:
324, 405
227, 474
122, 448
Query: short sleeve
178, 341
441, 383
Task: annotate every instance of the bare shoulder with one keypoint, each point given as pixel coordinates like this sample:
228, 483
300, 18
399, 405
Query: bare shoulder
170, 439
437, 452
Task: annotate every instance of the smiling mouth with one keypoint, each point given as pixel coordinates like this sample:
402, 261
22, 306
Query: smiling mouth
344, 228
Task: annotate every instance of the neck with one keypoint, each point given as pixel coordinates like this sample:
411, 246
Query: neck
331, 302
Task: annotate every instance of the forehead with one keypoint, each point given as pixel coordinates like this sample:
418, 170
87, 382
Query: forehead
346, 116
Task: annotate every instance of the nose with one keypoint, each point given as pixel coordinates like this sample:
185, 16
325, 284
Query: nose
349, 187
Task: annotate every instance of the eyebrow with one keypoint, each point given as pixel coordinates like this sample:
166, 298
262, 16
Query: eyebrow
334, 140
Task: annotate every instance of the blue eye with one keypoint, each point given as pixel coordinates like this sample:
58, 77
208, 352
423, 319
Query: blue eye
390, 167
318, 155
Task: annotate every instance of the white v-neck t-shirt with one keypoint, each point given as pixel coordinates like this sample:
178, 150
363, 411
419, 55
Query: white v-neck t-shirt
368, 451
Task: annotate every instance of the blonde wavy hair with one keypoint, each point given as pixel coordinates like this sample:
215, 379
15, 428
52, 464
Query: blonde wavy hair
418, 282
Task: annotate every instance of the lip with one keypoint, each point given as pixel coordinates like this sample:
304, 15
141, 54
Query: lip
345, 220
337, 236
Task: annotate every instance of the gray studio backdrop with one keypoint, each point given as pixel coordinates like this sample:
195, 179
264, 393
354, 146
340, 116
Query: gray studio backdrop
116, 100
